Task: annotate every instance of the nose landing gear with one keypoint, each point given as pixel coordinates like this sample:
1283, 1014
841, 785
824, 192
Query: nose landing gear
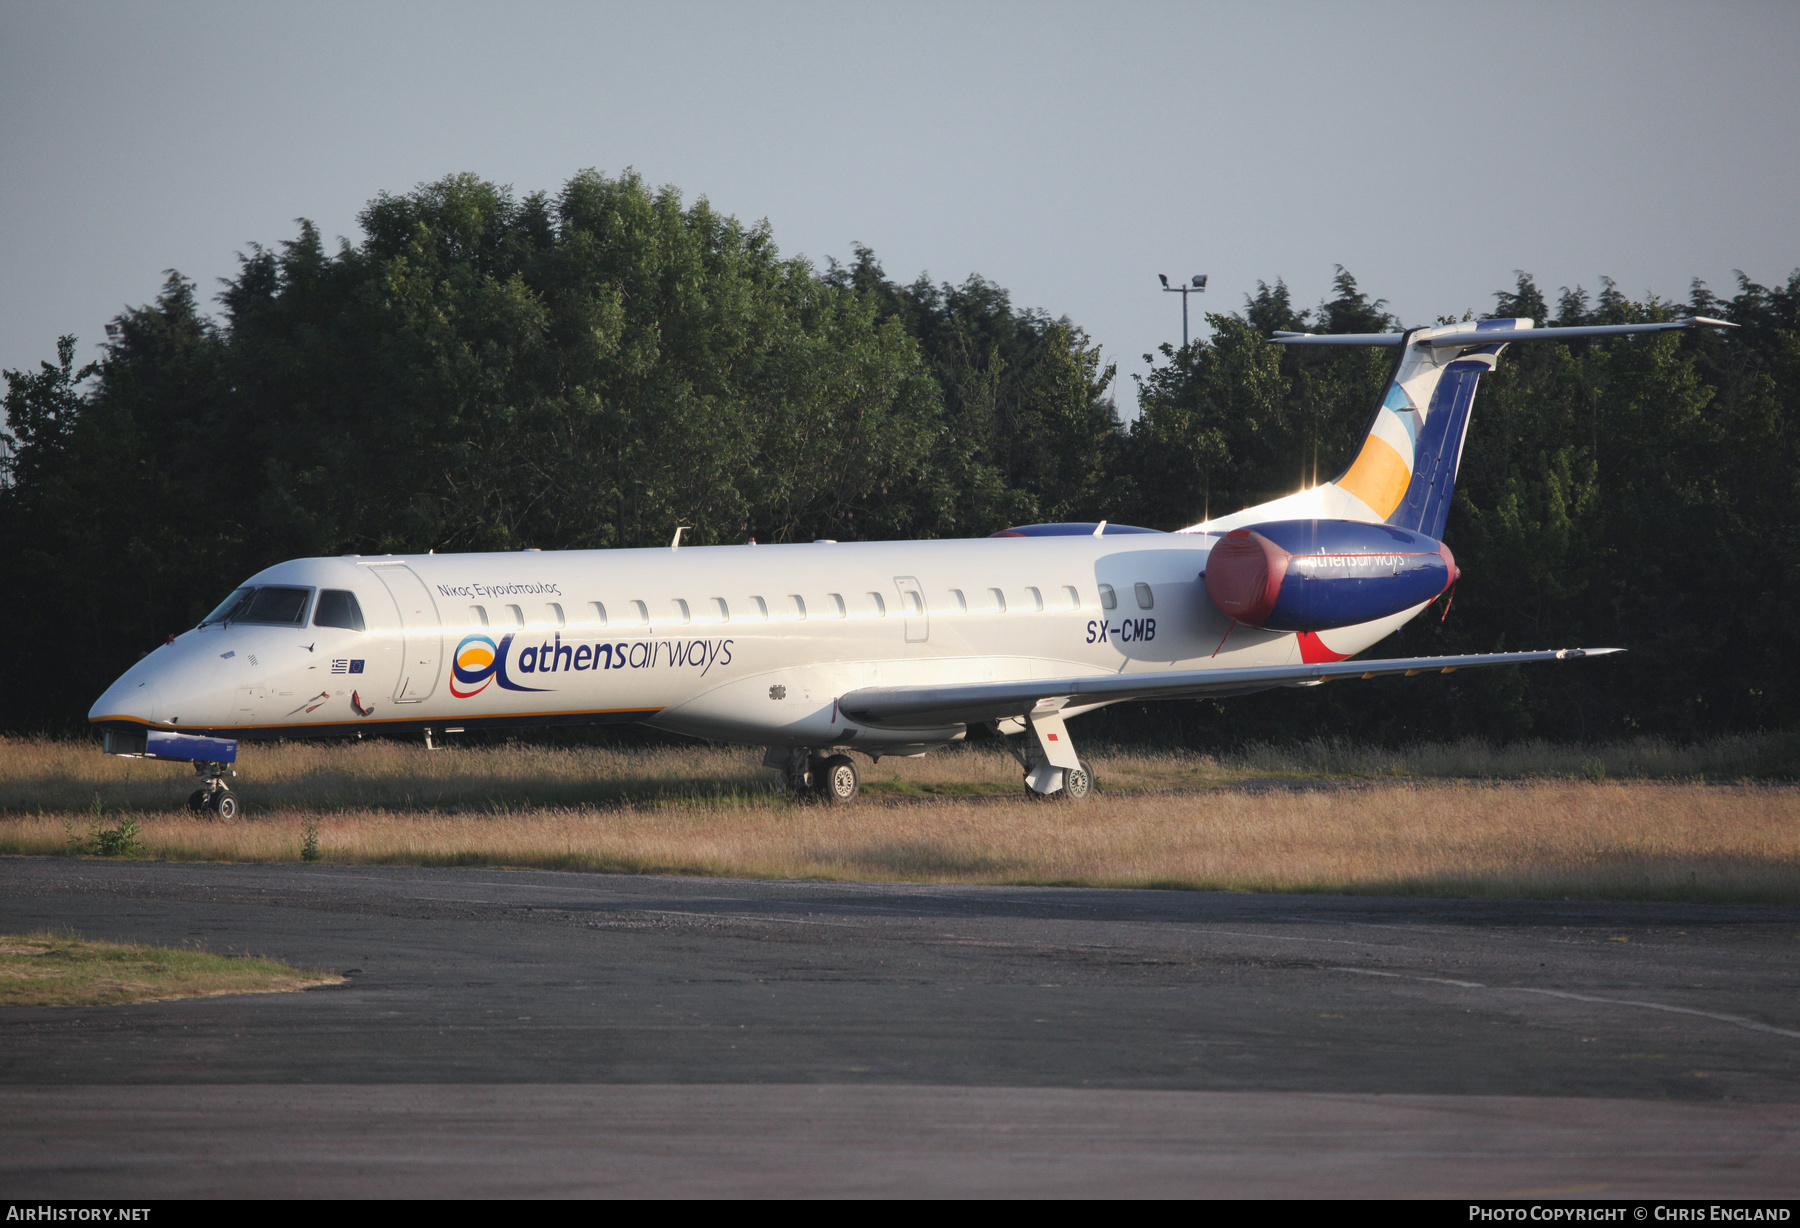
216, 795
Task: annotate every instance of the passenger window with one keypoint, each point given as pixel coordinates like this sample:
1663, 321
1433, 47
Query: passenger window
641, 613
338, 608
797, 605
681, 611
880, 605
837, 605
962, 605
515, 617
721, 610
761, 608
915, 604
1145, 599
1107, 600
999, 600
1037, 599
1071, 598
599, 609
554, 611
477, 615
282, 606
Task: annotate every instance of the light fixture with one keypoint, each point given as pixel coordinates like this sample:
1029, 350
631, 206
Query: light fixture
1197, 285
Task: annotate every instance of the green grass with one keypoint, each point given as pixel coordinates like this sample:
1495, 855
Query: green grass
55, 969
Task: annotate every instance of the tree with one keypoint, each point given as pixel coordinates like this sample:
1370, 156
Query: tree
1028, 434
592, 367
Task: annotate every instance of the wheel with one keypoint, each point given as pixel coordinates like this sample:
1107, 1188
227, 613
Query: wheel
225, 804
197, 800
1078, 783
836, 781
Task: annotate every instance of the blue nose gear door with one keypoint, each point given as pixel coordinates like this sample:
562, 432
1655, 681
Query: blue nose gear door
422, 654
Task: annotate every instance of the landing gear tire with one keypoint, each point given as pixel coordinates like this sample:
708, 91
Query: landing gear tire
1077, 786
224, 804
836, 782
197, 800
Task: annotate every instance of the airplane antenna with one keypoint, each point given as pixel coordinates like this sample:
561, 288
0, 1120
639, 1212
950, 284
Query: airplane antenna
675, 542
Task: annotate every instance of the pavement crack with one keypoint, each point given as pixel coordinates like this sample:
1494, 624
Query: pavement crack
1741, 1021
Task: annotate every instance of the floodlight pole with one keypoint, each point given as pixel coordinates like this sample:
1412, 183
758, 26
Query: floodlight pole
1196, 286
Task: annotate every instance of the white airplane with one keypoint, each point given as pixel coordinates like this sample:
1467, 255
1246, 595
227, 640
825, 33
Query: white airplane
884, 648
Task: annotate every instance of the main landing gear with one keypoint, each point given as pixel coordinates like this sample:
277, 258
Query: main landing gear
808, 775
215, 795
1053, 772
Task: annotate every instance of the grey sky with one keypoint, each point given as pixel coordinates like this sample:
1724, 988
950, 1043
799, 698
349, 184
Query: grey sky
1069, 152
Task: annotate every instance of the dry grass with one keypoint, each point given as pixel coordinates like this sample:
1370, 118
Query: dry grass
49, 969
43, 774
1618, 841
1216, 823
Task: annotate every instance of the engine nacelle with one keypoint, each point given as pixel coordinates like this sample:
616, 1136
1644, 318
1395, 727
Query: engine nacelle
1313, 575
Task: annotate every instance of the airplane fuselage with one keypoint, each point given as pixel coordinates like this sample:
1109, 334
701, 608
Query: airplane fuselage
751, 644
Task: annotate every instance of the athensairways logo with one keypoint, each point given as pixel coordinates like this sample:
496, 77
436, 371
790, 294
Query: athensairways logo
479, 662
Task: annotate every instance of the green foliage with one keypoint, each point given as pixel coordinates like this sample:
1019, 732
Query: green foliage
1028, 435
309, 840
593, 367
123, 839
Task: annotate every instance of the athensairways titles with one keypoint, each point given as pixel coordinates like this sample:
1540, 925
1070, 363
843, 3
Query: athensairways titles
479, 660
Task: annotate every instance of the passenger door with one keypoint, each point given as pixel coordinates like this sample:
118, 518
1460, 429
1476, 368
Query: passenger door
912, 607
422, 651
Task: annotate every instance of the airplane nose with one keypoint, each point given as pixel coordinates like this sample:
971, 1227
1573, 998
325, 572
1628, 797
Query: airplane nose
178, 684
131, 698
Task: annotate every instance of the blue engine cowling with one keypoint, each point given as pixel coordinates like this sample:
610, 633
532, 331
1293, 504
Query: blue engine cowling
1313, 575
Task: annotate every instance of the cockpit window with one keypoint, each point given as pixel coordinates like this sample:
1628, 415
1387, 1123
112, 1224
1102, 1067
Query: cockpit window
229, 608
338, 608
277, 605
282, 606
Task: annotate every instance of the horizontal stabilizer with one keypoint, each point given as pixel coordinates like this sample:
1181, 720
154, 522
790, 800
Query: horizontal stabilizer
919, 707
1484, 332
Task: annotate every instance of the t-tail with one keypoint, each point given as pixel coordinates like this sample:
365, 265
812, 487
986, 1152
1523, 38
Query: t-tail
1405, 473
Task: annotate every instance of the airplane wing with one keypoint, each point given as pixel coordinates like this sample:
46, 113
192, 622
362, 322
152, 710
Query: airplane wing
922, 707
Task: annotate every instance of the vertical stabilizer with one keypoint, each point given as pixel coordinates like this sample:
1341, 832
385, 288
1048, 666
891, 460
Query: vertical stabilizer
1405, 473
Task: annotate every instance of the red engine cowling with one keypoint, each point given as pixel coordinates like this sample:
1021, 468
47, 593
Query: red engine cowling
1244, 571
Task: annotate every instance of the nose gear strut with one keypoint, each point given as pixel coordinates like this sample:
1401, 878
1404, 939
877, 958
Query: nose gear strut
216, 796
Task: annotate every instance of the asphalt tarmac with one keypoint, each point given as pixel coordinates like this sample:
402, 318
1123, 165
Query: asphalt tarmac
509, 1033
